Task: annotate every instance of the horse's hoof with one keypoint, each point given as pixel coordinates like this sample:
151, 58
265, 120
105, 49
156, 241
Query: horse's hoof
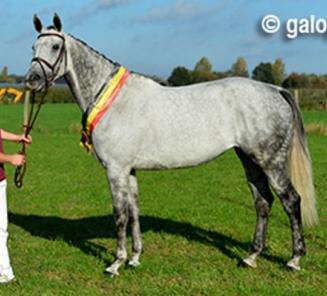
133, 263
249, 262
294, 263
111, 272
293, 266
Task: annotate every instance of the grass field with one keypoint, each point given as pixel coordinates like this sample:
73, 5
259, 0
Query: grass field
197, 223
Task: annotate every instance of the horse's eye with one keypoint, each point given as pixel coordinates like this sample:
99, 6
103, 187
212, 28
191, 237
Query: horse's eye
55, 47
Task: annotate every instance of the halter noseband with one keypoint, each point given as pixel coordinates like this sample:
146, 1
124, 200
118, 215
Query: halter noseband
52, 67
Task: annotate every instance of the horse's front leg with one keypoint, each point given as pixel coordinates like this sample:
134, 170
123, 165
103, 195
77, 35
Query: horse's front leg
119, 184
135, 221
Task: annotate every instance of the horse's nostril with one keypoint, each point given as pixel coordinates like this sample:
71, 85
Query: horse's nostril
35, 77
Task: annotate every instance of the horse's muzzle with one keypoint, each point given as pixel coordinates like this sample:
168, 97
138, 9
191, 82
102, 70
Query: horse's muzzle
34, 81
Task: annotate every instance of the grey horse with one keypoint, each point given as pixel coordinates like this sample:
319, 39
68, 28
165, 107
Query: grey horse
149, 126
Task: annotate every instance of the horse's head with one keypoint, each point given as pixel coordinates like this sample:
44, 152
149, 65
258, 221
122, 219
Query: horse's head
50, 59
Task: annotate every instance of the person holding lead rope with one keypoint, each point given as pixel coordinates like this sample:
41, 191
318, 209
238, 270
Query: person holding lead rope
6, 272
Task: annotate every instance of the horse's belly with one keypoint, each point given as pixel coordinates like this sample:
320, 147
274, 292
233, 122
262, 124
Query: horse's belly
182, 153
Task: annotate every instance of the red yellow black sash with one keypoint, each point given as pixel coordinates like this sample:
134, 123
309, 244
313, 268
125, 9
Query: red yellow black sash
103, 103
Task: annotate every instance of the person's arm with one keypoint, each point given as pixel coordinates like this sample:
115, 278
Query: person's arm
15, 138
13, 159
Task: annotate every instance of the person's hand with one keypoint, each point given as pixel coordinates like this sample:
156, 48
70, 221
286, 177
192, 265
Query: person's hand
17, 159
23, 139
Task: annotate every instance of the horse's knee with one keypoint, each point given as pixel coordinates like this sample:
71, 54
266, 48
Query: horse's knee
121, 220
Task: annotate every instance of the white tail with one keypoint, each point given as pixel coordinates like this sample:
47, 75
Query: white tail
300, 172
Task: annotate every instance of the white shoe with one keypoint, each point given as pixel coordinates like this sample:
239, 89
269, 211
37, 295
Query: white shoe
6, 276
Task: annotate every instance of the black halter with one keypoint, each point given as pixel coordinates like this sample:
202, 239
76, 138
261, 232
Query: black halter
52, 67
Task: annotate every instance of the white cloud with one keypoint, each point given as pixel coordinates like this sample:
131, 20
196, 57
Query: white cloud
179, 10
93, 8
112, 3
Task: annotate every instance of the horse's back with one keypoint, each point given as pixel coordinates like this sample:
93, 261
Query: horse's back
225, 110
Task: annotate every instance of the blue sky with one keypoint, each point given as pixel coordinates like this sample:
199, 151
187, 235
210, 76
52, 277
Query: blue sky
154, 36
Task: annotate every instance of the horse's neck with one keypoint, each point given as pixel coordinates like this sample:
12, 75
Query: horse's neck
87, 71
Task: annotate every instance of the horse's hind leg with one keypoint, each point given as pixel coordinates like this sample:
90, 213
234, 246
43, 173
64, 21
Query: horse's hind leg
135, 222
263, 200
291, 201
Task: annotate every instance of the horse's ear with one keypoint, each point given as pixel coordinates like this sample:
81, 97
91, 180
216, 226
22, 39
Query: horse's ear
57, 22
37, 23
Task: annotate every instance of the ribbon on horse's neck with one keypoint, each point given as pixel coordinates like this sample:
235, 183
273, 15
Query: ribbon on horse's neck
52, 67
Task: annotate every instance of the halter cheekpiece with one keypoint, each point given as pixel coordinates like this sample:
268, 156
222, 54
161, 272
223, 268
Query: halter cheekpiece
52, 67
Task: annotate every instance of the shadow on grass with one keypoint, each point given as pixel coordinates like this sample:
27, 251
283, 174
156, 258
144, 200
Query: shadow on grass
78, 232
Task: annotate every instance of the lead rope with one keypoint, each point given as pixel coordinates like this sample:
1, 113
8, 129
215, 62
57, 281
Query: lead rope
29, 120
32, 115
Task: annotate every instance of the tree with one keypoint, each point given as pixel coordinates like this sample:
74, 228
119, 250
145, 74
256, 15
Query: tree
180, 76
317, 81
203, 65
263, 72
202, 71
5, 77
4, 71
221, 75
239, 68
292, 81
4, 74
278, 71
295, 80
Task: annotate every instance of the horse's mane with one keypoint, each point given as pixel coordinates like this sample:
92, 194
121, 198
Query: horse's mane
156, 79
94, 50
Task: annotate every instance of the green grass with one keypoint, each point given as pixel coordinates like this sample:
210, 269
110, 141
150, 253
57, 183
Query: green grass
197, 223
315, 117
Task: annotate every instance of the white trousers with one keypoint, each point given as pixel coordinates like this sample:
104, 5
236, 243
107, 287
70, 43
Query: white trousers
4, 255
